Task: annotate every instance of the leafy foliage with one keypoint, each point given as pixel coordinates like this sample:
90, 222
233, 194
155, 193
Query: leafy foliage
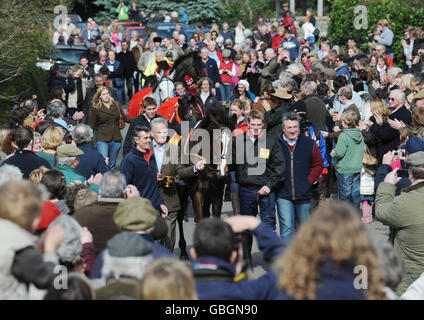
239, 10
203, 11
23, 38
399, 13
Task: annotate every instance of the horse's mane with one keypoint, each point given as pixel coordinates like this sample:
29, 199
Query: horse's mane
193, 54
215, 118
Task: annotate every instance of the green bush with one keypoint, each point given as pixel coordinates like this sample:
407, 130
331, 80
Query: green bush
399, 13
203, 11
239, 10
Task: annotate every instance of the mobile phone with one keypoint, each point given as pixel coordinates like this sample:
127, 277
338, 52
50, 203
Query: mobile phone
403, 173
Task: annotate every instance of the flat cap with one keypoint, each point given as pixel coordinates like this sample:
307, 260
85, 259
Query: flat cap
415, 159
313, 54
128, 244
135, 214
68, 150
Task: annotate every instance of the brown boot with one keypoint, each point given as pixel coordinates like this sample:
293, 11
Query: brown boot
235, 201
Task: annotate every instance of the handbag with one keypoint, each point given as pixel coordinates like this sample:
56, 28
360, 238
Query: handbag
121, 119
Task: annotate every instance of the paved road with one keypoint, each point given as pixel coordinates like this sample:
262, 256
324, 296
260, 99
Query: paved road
377, 231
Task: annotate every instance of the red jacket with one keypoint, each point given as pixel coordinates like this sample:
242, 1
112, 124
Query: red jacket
276, 40
225, 77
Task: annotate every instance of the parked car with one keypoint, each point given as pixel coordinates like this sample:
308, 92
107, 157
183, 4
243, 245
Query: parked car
140, 30
66, 56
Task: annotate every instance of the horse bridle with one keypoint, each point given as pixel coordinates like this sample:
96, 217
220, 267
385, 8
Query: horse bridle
167, 79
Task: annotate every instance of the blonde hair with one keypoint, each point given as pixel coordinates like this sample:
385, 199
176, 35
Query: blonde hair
405, 81
384, 23
333, 232
381, 108
369, 161
167, 279
36, 175
239, 103
349, 118
97, 102
21, 202
30, 121
52, 138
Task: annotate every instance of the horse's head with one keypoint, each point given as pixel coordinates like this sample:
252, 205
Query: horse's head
151, 81
188, 64
165, 89
188, 110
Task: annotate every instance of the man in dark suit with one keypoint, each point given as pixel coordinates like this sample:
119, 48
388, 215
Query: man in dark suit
168, 160
212, 71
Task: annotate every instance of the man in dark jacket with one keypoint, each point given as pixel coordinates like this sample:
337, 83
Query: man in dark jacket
217, 261
24, 158
144, 119
212, 71
91, 162
317, 112
140, 169
129, 68
98, 217
258, 171
303, 166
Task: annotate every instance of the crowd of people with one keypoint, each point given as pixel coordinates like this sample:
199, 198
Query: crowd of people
328, 122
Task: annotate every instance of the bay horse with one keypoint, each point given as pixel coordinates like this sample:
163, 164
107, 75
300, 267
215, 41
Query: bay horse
188, 70
208, 186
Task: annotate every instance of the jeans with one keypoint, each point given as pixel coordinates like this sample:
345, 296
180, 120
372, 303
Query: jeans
109, 150
235, 187
288, 212
118, 92
348, 187
226, 92
250, 200
129, 84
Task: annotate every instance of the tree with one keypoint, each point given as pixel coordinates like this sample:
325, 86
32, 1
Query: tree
23, 39
399, 13
204, 11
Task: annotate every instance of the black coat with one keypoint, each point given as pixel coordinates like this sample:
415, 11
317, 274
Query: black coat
210, 102
128, 63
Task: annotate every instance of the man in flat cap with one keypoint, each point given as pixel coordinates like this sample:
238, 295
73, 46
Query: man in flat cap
404, 214
67, 160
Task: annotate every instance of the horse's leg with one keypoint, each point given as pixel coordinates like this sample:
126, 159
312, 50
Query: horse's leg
183, 194
217, 203
182, 243
197, 204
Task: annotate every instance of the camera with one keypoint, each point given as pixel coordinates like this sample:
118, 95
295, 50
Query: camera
398, 154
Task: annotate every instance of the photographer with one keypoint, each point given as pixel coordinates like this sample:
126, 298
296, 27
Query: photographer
403, 213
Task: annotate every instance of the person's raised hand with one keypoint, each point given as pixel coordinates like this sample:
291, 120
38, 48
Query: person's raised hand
389, 157
96, 179
242, 223
392, 177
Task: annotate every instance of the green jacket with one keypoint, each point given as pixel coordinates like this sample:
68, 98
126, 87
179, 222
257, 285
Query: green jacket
404, 214
124, 16
106, 121
349, 151
72, 175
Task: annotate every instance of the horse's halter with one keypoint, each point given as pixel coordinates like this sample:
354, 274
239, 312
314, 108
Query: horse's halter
168, 80
222, 166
